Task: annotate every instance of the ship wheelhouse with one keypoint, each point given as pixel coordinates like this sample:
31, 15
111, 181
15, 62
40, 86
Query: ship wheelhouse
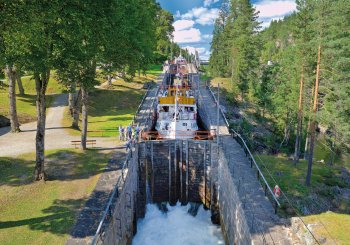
177, 113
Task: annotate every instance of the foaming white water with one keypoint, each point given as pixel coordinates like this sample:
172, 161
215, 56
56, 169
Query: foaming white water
177, 227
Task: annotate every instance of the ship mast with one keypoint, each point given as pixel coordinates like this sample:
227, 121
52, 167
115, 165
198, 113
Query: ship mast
176, 108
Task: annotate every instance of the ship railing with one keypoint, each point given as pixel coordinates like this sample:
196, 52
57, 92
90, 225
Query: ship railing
174, 87
181, 116
198, 135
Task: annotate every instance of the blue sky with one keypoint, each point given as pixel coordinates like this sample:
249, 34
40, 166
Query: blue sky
194, 19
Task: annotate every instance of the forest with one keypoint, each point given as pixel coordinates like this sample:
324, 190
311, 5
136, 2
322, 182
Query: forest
75, 41
295, 73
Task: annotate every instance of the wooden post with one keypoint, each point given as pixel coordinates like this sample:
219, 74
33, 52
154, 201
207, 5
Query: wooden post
313, 123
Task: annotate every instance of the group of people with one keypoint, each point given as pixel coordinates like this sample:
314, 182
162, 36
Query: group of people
130, 132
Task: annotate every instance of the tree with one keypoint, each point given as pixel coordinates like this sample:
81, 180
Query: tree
304, 34
19, 81
164, 30
10, 54
244, 46
313, 121
219, 62
34, 47
11, 75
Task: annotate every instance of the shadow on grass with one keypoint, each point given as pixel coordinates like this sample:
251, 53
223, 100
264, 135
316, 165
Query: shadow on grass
62, 165
52, 128
112, 102
31, 99
5, 130
57, 219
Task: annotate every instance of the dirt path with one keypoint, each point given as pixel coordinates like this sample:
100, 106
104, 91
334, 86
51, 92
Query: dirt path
56, 135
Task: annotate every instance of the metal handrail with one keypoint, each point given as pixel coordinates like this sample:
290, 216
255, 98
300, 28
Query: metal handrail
141, 103
109, 204
220, 109
150, 114
246, 147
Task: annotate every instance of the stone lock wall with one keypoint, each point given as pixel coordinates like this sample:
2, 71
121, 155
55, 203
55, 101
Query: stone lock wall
177, 170
232, 217
121, 226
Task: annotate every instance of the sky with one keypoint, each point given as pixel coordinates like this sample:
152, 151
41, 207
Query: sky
194, 19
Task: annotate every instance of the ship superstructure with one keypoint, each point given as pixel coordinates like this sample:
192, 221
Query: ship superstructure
177, 113
177, 109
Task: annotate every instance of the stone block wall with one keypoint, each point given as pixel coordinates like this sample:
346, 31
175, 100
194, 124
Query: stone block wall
121, 226
233, 220
178, 170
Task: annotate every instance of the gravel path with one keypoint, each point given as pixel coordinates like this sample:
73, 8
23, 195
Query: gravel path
56, 135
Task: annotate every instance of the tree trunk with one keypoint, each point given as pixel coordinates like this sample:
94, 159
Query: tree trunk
19, 81
11, 74
84, 99
71, 96
313, 122
109, 80
41, 82
307, 140
300, 120
333, 140
76, 111
331, 159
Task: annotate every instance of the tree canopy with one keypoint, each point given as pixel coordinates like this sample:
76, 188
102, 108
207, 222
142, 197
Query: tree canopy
268, 65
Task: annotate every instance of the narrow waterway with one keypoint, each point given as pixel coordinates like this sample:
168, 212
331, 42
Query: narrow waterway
177, 227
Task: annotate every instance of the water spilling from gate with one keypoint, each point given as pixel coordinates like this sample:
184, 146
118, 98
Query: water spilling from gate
177, 227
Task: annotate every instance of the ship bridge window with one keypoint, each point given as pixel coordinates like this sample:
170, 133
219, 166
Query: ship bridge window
184, 124
166, 108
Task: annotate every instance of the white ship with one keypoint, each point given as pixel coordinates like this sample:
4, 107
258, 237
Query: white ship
177, 113
177, 109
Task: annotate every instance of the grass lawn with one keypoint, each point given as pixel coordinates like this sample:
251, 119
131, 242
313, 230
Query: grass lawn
26, 107
320, 195
292, 181
333, 226
112, 106
44, 212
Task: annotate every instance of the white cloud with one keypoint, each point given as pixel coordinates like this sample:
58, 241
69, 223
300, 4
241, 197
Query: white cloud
202, 16
193, 50
183, 24
206, 55
203, 53
270, 8
178, 14
207, 3
207, 36
274, 10
191, 35
267, 23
